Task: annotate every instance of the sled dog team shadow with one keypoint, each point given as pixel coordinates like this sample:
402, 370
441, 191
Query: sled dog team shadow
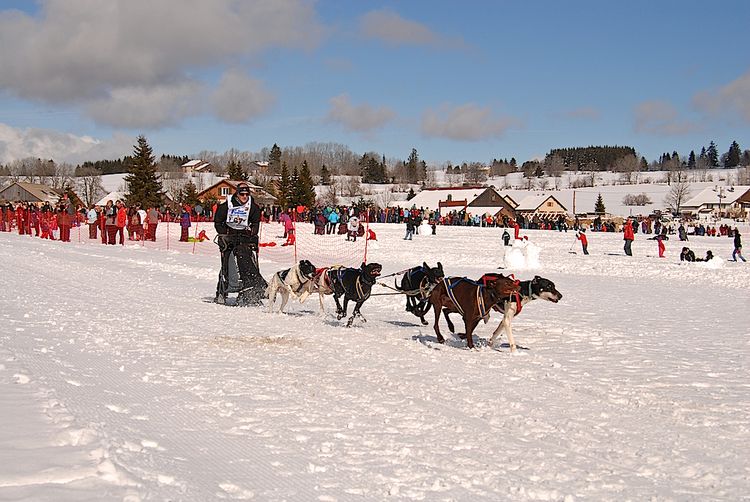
425, 288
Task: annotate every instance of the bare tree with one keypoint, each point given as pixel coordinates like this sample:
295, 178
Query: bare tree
629, 166
591, 168
554, 165
89, 185
329, 196
173, 181
168, 165
352, 186
383, 199
475, 173
677, 195
60, 175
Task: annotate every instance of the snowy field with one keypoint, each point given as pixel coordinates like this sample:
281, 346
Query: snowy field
118, 381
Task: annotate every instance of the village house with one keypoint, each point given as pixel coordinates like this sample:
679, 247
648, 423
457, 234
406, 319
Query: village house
33, 192
219, 191
197, 166
732, 201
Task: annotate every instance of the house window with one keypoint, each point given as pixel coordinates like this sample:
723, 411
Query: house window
224, 191
549, 204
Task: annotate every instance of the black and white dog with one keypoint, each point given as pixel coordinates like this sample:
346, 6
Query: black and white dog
417, 284
295, 281
538, 287
353, 284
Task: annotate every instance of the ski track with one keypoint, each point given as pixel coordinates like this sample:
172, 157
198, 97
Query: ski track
156, 395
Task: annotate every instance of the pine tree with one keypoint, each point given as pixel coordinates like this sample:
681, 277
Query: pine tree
293, 197
325, 175
274, 159
144, 186
411, 167
733, 155
712, 154
306, 188
691, 160
235, 171
190, 194
282, 194
599, 206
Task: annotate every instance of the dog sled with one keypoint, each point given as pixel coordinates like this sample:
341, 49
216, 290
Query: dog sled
230, 281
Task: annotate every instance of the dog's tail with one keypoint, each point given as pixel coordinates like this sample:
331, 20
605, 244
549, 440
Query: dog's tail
269, 288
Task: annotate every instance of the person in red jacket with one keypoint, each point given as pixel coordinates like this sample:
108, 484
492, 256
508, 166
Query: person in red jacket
581, 236
121, 221
628, 237
517, 230
20, 224
660, 242
64, 223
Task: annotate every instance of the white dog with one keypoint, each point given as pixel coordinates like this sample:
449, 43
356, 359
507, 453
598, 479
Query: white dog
296, 281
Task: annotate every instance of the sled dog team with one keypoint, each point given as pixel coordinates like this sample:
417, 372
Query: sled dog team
425, 288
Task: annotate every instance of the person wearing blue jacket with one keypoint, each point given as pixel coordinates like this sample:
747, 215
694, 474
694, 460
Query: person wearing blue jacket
184, 224
333, 220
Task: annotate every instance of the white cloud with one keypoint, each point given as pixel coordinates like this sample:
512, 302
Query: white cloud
661, 118
731, 99
62, 147
389, 27
361, 118
467, 122
147, 106
240, 98
82, 51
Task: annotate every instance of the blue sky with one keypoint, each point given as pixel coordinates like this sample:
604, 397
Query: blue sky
458, 81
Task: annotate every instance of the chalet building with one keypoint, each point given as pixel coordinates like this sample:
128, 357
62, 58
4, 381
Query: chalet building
490, 202
197, 166
723, 201
224, 187
541, 206
33, 192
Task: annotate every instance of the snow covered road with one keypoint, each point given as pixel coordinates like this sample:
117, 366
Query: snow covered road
119, 382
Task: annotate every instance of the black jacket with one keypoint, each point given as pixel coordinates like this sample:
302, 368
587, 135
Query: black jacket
220, 221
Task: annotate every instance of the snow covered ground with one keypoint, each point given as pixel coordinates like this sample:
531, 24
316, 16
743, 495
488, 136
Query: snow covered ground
119, 382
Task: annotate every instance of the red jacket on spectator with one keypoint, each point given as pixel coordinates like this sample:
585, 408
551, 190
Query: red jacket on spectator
122, 217
628, 234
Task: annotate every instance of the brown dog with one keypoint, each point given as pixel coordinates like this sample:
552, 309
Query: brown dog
471, 299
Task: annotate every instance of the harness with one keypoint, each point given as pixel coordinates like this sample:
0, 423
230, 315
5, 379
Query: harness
481, 306
425, 286
358, 289
301, 279
514, 296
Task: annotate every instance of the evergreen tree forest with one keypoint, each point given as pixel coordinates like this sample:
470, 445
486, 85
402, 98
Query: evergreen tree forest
596, 158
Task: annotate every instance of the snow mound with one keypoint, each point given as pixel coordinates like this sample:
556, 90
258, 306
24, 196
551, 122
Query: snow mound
523, 255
